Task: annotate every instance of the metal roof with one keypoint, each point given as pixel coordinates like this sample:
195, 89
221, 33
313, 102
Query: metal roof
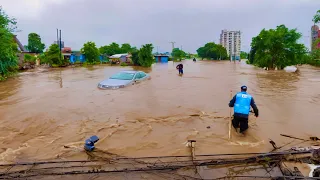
130, 71
118, 55
162, 55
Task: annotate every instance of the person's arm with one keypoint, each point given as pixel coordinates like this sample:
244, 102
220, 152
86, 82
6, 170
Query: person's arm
233, 100
254, 107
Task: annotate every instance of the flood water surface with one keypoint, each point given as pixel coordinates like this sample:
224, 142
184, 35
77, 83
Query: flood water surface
42, 113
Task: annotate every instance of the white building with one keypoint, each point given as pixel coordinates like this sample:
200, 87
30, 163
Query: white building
231, 40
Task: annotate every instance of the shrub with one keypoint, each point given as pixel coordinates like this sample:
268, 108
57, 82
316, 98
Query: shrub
29, 59
123, 64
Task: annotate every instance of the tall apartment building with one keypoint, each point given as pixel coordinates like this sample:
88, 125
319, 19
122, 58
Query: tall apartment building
315, 34
231, 40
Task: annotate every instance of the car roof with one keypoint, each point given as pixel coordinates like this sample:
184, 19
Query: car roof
130, 71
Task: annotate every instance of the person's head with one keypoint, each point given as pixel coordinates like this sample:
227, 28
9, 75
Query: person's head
244, 88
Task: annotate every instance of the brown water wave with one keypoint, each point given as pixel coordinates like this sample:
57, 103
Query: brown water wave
43, 112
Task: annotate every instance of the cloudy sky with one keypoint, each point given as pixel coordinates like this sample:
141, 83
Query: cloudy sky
190, 23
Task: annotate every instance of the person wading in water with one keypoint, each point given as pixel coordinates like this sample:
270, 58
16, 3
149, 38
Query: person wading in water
241, 103
180, 68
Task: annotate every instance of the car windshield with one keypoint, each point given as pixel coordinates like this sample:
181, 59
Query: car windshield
123, 76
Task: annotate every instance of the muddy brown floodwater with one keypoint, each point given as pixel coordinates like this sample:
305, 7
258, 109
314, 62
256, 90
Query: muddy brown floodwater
41, 112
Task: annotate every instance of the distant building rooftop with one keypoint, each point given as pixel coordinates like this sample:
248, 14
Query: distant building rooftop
118, 55
162, 55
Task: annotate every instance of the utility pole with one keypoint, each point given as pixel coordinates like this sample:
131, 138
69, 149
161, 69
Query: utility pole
59, 42
172, 44
57, 36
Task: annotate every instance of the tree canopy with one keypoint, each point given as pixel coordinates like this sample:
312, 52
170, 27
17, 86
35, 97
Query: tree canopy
115, 48
125, 48
316, 17
243, 55
53, 56
178, 54
277, 48
145, 55
29, 58
91, 52
8, 48
135, 57
212, 51
34, 43
7, 22
110, 49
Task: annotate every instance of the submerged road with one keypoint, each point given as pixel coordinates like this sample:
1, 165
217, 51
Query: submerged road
40, 112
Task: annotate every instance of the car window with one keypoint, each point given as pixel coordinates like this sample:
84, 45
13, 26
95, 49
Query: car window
142, 74
123, 76
138, 76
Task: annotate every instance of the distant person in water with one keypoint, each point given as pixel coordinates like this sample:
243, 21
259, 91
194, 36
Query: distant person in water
241, 103
180, 68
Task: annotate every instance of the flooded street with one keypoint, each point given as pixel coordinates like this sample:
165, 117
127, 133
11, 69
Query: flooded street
41, 112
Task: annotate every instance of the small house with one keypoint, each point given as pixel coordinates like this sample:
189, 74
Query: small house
162, 58
66, 53
118, 58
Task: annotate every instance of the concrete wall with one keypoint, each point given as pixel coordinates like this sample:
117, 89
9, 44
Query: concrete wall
164, 59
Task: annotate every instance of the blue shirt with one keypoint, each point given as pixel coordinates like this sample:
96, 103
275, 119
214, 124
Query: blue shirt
241, 103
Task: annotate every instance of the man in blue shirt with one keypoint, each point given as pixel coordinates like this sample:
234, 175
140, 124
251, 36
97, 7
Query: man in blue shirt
241, 103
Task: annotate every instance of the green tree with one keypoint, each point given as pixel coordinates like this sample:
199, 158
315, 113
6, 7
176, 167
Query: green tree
110, 49
251, 55
114, 48
7, 22
145, 55
221, 52
126, 48
133, 49
135, 57
8, 48
91, 52
43, 58
29, 59
188, 55
243, 55
53, 56
8, 57
202, 52
34, 43
104, 50
178, 54
316, 17
277, 48
26, 47
212, 51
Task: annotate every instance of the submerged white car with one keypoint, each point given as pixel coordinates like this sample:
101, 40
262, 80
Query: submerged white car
123, 79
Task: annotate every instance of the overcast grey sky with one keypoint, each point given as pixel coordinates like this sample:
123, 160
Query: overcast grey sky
190, 23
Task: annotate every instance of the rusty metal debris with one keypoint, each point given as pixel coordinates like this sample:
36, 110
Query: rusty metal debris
101, 165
